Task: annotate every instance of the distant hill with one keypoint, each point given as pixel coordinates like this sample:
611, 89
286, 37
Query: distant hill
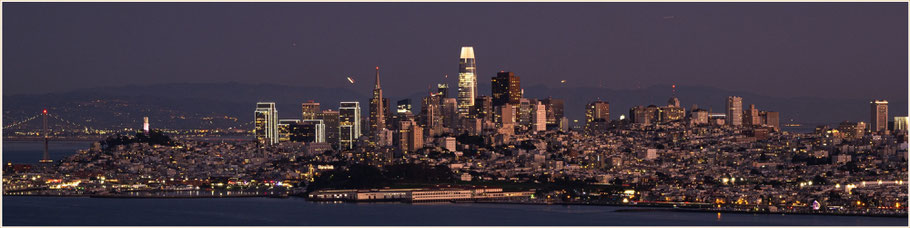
222, 105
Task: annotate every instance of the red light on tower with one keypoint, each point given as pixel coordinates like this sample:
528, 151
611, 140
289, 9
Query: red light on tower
377, 67
44, 112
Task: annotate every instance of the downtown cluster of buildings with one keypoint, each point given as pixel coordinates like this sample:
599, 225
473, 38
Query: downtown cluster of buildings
739, 159
505, 113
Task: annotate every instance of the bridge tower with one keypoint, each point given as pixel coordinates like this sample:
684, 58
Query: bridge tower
46, 158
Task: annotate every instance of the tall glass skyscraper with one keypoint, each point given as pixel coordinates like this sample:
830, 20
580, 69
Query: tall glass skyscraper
349, 123
266, 123
467, 81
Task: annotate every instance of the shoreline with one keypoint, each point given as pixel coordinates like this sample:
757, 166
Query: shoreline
651, 208
638, 208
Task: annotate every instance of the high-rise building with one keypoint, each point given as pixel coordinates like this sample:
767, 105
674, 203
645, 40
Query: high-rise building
284, 129
331, 120
145, 125
597, 111
646, 115
555, 111
467, 81
770, 119
450, 112
442, 90
505, 115
409, 137
879, 119
524, 112
308, 131
266, 123
404, 106
483, 109
539, 117
734, 111
431, 114
900, 123
377, 109
699, 116
506, 88
348, 123
309, 110
751, 116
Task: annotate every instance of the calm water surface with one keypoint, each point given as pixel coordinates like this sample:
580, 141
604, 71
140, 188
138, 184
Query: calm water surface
32, 151
30, 210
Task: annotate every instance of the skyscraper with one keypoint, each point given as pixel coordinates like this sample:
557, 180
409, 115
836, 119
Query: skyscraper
900, 123
771, 119
431, 114
442, 90
539, 117
879, 118
598, 111
331, 120
284, 129
751, 116
483, 108
734, 111
506, 88
266, 123
377, 109
555, 110
348, 123
309, 110
467, 81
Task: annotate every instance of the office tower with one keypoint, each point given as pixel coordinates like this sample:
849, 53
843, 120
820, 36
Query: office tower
879, 119
442, 90
348, 123
645, 115
900, 123
309, 131
266, 123
597, 111
506, 88
555, 111
284, 129
539, 117
377, 109
770, 119
699, 116
404, 106
734, 111
409, 137
751, 116
467, 81
145, 125
332, 128
309, 110
524, 112
672, 112
450, 112
505, 115
483, 109
431, 114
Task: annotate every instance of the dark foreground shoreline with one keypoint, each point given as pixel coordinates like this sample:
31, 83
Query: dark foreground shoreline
639, 208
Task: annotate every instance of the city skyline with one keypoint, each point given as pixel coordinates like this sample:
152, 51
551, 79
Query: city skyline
608, 114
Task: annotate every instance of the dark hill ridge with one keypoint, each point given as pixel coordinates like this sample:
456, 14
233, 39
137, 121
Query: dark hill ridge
191, 105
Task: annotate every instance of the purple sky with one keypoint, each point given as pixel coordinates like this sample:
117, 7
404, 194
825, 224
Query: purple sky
855, 50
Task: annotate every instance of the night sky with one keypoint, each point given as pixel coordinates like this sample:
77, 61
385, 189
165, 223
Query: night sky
844, 50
